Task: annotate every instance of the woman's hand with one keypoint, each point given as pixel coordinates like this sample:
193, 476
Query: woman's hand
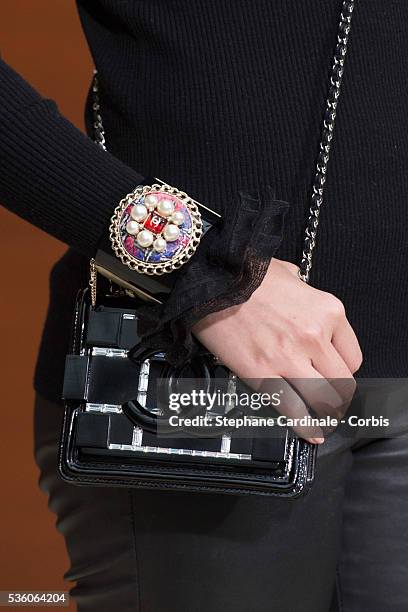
289, 330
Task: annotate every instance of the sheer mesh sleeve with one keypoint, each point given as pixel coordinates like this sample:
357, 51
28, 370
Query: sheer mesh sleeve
230, 264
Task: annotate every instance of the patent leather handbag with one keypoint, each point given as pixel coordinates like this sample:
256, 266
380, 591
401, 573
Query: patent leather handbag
107, 441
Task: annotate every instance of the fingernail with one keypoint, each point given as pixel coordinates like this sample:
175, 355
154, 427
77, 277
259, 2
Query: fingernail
316, 440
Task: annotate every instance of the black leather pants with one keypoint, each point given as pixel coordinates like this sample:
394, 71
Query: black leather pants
342, 547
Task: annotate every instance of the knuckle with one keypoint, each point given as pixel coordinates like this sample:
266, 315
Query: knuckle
334, 306
264, 362
312, 333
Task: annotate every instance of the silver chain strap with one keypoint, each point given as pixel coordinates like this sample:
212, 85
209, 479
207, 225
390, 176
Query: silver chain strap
336, 77
99, 130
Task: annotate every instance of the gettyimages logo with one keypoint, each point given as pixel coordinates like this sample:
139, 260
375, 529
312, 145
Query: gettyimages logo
217, 399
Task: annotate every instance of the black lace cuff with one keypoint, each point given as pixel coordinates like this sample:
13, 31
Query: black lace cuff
230, 264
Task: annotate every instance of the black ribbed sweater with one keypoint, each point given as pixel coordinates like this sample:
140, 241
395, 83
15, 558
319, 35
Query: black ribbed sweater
221, 98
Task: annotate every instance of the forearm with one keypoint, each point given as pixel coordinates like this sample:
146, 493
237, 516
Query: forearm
51, 174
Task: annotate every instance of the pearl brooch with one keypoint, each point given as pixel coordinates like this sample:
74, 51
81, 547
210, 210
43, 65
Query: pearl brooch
155, 229
139, 212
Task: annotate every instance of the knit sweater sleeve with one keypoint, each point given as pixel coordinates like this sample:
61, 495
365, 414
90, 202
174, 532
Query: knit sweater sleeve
51, 174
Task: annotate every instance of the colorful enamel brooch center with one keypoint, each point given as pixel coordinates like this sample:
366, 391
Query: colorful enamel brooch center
155, 229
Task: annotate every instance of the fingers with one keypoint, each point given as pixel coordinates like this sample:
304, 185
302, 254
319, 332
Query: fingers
296, 394
345, 342
332, 367
325, 398
318, 393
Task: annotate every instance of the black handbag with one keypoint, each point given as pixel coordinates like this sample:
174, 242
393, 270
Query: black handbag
111, 433
110, 438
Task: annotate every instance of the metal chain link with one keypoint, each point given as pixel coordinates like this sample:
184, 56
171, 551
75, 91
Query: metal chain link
99, 131
326, 139
336, 77
93, 279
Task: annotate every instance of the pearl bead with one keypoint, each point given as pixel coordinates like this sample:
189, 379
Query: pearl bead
171, 232
165, 207
159, 245
151, 201
145, 238
132, 228
177, 217
139, 212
